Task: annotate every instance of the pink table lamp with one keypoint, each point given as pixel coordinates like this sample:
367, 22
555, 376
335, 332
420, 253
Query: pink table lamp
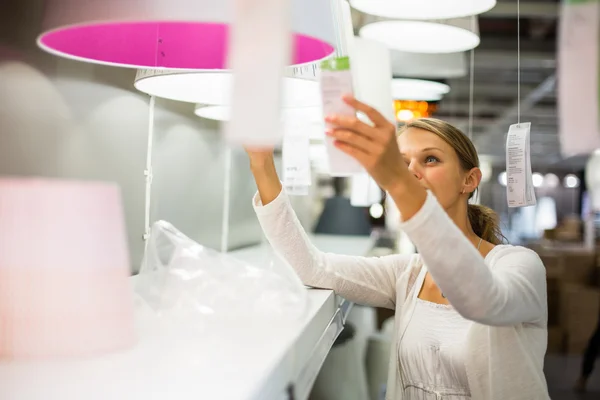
64, 268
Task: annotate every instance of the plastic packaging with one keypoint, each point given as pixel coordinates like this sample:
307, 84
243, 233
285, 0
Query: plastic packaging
183, 281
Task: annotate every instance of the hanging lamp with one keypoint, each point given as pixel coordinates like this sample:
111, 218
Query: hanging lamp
429, 66
423, 9
418, 89
440, 36
179, 34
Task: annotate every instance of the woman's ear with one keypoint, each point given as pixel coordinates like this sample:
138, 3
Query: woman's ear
472, 180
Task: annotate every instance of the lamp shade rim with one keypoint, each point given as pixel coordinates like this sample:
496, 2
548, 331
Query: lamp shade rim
420, 10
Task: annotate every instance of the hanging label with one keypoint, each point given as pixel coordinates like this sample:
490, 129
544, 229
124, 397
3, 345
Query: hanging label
336, 81
519, 182
261, 30
364, 191
296, 160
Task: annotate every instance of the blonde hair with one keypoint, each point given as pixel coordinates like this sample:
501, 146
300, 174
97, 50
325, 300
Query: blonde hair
484, 220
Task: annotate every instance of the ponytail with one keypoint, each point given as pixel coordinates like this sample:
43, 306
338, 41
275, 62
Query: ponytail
485, 223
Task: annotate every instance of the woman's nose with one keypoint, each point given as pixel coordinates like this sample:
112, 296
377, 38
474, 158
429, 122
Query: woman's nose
412, 167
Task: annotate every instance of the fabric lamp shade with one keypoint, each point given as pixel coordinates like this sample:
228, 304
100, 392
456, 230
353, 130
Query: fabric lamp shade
429, 66
418, 89
300, 86
64, 270
592, 179
438, 36
423, 9
178, 34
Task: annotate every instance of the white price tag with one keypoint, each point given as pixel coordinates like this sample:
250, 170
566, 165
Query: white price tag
519, 183
336, 81
364, 191
296, 161
261, 30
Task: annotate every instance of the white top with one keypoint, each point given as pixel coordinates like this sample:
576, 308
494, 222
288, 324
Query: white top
432, 355
503, 294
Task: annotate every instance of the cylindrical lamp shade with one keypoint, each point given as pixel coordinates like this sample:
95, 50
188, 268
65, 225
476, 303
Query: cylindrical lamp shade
418, 89
429, 66
292, 115
300, 86
64, 270
448, 36
592, 180
423, 9
178, 34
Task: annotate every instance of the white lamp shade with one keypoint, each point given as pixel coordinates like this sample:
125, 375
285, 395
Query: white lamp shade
429, 66
418, 89
178, 34
448, 36
64, 270
372, 72
592, 179
423, 9
215, 88
295, 115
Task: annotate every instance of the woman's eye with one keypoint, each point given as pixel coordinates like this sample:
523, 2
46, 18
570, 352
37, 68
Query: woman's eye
431, 159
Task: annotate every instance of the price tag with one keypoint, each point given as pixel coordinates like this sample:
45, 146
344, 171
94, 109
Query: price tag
296, 160
364, 191
336, 81
519, 182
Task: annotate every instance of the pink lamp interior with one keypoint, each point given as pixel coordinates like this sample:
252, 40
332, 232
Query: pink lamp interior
176, 45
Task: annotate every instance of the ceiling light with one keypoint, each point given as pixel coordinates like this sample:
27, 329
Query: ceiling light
418, 89
423, 9
551, 181
407, 110
502, 179
179, 34
449, 36
571, 181
537, 179
215, 87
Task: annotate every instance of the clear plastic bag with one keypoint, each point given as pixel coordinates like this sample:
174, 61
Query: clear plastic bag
183, 281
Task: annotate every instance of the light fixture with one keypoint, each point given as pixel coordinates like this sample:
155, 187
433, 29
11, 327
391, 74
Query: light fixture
429, 66
407, 110
179, 34
551, 181
418, 89
571, 181
376, 210
423, 9
300, 86
537, 179
592, 179
502, 179
291, 114
447, 36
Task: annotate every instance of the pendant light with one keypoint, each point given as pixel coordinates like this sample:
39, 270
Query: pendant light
423, 9
440, 36
429, 66
418, 89
178, 34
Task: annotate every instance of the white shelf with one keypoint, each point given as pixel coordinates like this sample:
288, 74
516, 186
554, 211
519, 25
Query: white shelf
236, 363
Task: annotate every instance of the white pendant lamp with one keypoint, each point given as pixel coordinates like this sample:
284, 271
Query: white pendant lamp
429, 66
178, 34
592, 179
423, 9
441, 36
293, 114
300, 86
418, 89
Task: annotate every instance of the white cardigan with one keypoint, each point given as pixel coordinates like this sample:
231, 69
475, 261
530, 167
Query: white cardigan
504, 294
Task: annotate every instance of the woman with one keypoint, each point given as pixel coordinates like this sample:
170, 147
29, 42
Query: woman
470, 314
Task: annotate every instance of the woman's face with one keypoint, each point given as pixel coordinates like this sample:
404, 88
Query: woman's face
434, 163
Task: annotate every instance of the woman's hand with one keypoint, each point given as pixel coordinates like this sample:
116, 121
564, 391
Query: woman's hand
374, 147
